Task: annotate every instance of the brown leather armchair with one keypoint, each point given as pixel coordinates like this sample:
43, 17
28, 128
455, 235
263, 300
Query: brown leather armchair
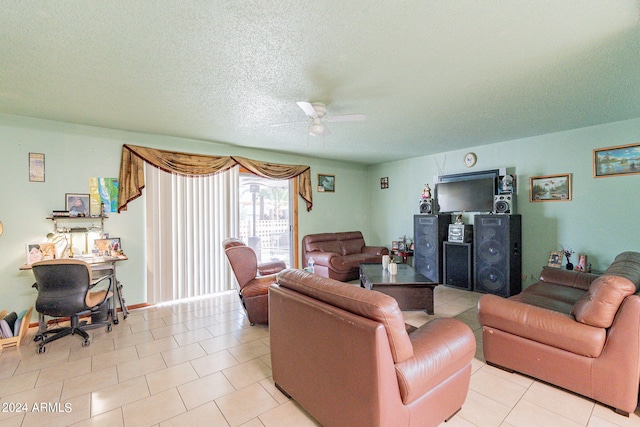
344, 354
253, 279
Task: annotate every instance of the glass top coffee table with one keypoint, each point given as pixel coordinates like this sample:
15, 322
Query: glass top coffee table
412, 290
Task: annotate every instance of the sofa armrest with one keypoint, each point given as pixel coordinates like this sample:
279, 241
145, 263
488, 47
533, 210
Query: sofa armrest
271, 267
541, 325
441, 348
322, 258
375, 250
617, 371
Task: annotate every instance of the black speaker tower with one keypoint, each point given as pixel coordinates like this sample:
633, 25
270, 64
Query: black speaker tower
497, 242
429, 231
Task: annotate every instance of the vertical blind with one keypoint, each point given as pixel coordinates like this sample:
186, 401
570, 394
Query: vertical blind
188, 217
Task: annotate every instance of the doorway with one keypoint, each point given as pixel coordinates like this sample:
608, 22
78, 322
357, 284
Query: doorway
265, 211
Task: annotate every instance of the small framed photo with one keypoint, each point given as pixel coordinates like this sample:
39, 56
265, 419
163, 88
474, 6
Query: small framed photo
618, 160
555, 259
384, 182
77, 204
550, 188
395, 245
36, 167
108, 247
40, 252
582, 263
326, 183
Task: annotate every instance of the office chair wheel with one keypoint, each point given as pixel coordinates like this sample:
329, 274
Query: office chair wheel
42, 349
109, 327
86, 343
37, 338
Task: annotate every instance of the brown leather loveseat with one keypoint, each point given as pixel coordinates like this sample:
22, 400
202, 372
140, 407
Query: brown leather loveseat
343, 353
576, 330
339, 255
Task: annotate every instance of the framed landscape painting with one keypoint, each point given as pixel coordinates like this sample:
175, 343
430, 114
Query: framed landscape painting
619, 160
550, 188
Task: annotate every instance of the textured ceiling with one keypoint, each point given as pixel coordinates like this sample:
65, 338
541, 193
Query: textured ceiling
431, 75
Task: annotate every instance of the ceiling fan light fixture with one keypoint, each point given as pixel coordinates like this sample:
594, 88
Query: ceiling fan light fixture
316, 128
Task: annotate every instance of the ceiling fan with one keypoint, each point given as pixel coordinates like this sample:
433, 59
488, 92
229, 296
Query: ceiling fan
317, 112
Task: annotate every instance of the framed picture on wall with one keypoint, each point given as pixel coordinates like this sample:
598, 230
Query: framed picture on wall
326, 183
550, 188
36, 167
618, 160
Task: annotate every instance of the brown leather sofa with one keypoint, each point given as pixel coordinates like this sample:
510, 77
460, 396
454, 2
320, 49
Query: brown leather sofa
253, 279
576, 330
339, 255
343, 353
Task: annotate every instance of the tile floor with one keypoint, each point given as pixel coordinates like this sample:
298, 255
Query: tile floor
201, 363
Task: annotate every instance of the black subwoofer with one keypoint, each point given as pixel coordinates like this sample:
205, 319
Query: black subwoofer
429, 231
497, 241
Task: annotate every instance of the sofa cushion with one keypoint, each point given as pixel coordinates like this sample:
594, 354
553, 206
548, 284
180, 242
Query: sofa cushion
568, 278
323, 242
627, 265
351, 242
539, 324
351, 262
551, 296
370, 304
599, 305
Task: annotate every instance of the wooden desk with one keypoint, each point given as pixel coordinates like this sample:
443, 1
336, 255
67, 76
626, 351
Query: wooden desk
102, 267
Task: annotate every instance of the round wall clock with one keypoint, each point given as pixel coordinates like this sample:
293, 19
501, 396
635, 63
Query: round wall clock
470, 159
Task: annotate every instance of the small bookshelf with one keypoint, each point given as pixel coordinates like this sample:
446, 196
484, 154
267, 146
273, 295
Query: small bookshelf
24, 327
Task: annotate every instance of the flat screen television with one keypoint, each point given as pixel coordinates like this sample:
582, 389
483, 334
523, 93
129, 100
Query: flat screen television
466, 195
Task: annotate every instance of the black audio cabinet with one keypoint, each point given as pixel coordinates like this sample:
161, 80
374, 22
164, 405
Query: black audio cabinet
457, 264
497, 246
429, 232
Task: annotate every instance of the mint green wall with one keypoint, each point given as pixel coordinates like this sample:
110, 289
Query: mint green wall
600, 221
75, 153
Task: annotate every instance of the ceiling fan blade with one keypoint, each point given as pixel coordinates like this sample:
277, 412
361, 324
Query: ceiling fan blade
307, 108
287, 123
346, 118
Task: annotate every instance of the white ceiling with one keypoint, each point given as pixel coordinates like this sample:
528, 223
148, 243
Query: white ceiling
431, 75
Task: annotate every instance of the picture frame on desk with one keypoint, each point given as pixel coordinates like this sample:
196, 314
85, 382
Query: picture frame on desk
106, 247
40, 252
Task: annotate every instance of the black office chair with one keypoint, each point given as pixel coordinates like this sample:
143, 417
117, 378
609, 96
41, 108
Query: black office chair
64, 290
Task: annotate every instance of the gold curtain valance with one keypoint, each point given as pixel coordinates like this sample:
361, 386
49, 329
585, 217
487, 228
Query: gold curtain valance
132, 170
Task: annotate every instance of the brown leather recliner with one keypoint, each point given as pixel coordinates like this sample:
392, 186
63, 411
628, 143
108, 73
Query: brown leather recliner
253, 278
344, 354
576, 330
